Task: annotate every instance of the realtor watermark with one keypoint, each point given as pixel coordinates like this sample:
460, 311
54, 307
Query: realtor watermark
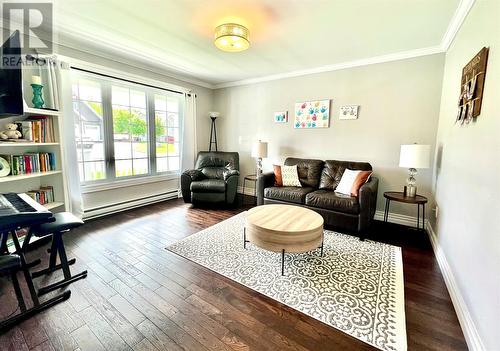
33, 21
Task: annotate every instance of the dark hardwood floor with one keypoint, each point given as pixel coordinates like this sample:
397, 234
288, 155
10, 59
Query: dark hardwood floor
139, 296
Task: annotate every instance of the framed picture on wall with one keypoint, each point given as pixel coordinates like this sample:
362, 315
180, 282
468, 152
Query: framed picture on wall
281, 117
312, 114
348, 112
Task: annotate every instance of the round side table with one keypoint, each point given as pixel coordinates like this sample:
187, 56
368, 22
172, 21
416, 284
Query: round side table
250, 178
399, 196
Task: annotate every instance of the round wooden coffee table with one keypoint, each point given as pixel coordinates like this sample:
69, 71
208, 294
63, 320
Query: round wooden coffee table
284, 228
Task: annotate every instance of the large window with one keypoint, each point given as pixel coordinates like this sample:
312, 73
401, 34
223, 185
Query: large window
125, 130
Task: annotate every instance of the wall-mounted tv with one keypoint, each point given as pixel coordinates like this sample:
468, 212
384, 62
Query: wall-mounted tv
11, 95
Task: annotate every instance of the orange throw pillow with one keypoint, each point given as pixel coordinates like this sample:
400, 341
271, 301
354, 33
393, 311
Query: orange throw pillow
278, 179
361, 179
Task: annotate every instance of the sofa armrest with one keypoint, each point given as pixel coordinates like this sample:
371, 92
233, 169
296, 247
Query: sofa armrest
367, 202
264, 180
186, 178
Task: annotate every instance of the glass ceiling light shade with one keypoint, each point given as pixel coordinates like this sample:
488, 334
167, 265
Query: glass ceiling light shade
231, 37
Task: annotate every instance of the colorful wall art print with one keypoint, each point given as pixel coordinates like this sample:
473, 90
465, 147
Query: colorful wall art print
281, 117
312, 114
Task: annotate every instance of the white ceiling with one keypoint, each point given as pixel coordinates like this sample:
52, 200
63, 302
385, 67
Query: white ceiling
285, 35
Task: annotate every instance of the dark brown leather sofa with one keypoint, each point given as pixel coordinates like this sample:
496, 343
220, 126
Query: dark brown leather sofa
319, 180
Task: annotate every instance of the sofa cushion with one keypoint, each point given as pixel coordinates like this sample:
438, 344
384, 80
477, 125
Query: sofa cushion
289, 194
333, 170
309, 170
330, 200
208, 186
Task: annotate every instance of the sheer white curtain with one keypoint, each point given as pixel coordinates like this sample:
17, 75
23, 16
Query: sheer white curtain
189, 146
69, 145
49, 75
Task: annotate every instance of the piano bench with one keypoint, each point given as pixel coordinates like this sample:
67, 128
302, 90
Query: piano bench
64, 222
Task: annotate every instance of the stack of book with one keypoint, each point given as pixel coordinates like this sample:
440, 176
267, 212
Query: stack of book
37, 129
31, 163
43, 195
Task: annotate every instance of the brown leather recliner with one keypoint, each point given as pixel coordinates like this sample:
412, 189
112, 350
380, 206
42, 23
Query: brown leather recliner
319, 180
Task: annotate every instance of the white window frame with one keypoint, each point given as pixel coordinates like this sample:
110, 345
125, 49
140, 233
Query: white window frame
105, 76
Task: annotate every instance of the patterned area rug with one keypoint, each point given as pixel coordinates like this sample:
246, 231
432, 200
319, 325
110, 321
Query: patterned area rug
357, 286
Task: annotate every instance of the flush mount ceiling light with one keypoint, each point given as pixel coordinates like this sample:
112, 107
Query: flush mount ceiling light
231, 37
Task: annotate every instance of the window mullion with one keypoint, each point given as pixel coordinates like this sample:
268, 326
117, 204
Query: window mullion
152, 130
109, 147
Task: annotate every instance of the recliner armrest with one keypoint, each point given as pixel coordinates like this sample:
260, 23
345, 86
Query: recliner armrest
194, 174
230, 173
265, 180
186, 178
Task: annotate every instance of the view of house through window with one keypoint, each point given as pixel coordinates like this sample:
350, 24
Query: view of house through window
125, 130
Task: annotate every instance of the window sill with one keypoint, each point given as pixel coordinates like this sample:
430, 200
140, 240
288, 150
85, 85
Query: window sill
93, 188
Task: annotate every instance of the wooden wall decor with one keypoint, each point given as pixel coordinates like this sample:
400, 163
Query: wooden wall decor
472, 86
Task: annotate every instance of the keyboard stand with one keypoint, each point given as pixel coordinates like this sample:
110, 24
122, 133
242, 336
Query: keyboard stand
37, 306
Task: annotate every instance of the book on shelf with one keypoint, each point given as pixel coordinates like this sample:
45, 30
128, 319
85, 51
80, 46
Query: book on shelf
31, 163
43, 196
38, 129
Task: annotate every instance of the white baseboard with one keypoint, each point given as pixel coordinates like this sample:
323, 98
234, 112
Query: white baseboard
397, 218
245, 191
123, 206
464, 317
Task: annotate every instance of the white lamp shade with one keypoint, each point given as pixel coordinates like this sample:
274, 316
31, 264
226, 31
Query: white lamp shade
415, 156
259, 149
214, 114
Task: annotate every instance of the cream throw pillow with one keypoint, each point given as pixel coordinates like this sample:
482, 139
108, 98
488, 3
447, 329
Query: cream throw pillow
290, 176
348, 179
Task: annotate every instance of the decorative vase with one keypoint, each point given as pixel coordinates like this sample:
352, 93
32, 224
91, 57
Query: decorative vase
37, 95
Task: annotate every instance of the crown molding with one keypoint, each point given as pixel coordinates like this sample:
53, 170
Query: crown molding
454, 26
338, 66
123, 54
456, 22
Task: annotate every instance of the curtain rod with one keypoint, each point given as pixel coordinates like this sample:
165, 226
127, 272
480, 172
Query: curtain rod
127, 80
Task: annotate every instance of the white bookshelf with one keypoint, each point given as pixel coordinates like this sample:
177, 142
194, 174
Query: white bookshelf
23, 144
25, 182
21, 177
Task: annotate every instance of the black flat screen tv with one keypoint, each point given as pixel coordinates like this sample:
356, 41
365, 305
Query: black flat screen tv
11, 91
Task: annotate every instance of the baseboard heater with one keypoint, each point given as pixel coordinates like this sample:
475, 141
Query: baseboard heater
129, 204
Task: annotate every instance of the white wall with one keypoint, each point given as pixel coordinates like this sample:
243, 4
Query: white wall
467, 177
204, 105
399, 104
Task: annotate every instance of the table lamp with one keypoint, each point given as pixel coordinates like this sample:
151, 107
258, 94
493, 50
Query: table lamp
259, 151
414, 156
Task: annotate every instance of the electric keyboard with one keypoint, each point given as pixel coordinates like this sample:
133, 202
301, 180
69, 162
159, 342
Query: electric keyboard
18, 210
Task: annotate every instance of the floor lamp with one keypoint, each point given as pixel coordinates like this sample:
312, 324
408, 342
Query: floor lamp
213, 131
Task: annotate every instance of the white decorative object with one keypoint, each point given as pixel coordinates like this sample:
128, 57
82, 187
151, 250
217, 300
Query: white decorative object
348, 112
36, 80
290, 176
414, 156
259, 151
4, 167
